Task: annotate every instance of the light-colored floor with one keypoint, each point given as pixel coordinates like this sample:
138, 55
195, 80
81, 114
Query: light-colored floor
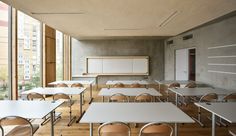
78, 129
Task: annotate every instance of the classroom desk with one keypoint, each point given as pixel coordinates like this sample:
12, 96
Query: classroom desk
196, 92
87, 77
223, 110
182, 83
128, 91
70, 82
134, 113
29, 109
127, 82
64, 90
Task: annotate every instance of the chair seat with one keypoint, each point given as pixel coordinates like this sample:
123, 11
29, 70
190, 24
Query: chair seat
22, 130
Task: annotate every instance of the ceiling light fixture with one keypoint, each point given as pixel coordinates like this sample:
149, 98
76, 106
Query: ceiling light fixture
121, 29
168, 19
55, 13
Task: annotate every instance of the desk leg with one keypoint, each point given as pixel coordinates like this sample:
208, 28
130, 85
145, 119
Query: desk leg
81, 108
91, 129
102, 98
176, 129
176, 99
91, 93
213, 125
167, 99
52, 123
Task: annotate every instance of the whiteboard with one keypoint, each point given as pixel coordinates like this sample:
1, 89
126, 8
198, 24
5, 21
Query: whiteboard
117, 65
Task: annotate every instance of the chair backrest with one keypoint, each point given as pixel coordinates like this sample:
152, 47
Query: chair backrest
191, 85
144, 97
77, 85
118, 97
114, 129
62, 85
61, 96
136, 85
157, 129
175, 84
230, 98
210, 97
35, 96
21, 126
118, 85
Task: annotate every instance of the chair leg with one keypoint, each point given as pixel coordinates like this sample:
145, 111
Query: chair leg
198, 119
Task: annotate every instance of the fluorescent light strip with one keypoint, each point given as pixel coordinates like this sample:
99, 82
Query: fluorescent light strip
224, 46
168, 19
222, 72
55, 13
213, 57
215, 64
121, 29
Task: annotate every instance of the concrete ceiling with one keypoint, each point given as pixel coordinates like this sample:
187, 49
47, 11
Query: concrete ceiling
124, 18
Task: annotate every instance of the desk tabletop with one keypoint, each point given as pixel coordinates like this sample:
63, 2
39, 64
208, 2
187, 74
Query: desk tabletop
86, 76
135, 113
198, 91
70, 82
128, 91
27, 109
56, 90
127, 82
224, 110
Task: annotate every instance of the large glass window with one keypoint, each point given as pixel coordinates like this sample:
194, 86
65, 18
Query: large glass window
4, 86
59, 55
29, 53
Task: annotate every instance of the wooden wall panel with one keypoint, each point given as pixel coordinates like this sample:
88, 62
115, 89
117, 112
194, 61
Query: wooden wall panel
49, 55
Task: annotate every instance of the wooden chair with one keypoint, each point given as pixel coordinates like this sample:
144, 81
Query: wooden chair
144, 97
118, 97
172, 85
230, 98
62, 85
38, 97
114, 129
35, 96
119, 85
211, 97
20, 126
156, 129
67, 103
77, 85
191, 85
136, 85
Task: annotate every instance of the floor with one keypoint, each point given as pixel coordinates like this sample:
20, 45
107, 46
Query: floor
78, 129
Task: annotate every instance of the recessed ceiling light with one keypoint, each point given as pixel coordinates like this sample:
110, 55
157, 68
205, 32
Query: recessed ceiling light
168, 19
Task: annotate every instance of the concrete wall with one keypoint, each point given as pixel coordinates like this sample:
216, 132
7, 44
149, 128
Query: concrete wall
220, 33
152, 48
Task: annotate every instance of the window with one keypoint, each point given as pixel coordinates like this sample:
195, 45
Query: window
59, 55
29, 53
4, 63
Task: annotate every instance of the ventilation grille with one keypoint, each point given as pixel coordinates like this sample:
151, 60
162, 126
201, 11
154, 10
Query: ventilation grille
187, 37
169, 42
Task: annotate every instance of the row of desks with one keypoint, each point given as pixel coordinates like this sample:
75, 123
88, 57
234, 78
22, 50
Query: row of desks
125, 112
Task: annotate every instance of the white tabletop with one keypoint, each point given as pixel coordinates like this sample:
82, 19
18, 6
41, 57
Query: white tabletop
224, 110
56, 90
198, 91
127, 82
86, 76
70, 82
134, 113
27, 109
128, 91
181, 82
